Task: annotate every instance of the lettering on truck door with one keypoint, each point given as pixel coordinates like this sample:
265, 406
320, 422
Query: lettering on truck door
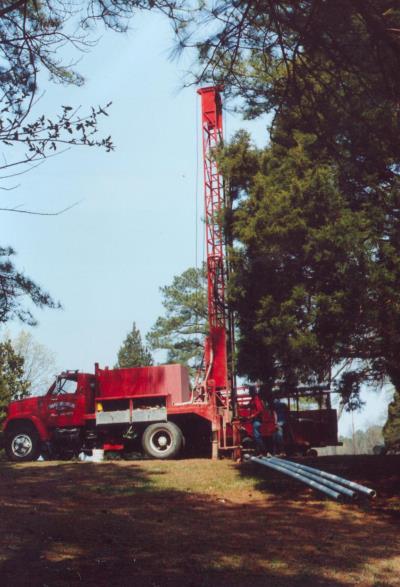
64, 404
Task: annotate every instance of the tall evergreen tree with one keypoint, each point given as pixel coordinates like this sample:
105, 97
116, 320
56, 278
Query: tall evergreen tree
133, 353
12, 382
181, 331
299, 271
391, 430
316, 271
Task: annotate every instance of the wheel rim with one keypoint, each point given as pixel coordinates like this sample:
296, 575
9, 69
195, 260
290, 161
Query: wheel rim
22, 445
161, 441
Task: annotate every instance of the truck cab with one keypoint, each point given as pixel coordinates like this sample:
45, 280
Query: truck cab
34, 423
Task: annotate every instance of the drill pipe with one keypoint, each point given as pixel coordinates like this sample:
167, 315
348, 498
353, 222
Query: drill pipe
336, 486
324, 475
298, 476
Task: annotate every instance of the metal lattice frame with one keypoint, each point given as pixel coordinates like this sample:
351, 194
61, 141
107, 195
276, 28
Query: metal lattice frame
212, 134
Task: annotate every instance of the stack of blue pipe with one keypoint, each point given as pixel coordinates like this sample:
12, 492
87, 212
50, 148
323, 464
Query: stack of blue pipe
332, 485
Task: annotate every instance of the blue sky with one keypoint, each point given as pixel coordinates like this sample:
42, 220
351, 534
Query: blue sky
135, 225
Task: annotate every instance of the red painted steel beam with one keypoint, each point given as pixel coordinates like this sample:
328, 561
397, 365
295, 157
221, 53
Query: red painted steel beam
212, 136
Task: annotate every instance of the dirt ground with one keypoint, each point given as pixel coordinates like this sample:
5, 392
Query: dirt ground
195, 523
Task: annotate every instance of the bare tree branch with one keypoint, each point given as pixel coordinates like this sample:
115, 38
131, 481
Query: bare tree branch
41, 213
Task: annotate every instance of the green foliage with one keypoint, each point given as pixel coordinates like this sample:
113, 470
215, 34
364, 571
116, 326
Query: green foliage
296, 269
12, 383
132, 352
349, 387
17, 289
182, 330
267, 53
391, 430
316, 277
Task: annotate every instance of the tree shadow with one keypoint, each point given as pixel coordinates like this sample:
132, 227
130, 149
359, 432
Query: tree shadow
87, 524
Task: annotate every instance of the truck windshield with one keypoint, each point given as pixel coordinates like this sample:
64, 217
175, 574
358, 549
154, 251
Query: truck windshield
65, 386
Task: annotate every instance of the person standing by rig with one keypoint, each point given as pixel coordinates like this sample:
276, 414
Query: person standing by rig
282, 415
257, 409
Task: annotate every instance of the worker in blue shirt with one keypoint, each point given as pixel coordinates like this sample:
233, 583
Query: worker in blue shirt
281, 412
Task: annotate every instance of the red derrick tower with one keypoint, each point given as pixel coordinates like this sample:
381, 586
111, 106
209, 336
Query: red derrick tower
216, 359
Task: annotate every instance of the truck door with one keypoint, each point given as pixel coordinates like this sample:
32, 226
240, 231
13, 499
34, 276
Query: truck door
64, 404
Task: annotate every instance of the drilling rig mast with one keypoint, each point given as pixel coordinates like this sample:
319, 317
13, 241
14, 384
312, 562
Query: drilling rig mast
216, 347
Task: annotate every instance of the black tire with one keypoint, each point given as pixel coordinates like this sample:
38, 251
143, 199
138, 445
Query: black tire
163, 440
311, 452
247, 443
22, 443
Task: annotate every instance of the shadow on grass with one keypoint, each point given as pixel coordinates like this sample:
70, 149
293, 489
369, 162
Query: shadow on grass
86, 524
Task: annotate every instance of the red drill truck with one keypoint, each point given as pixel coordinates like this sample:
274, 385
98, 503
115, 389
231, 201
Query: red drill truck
151, 408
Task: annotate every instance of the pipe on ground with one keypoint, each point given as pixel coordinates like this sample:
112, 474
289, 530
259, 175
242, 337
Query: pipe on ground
336, 486
297, 475
324, 475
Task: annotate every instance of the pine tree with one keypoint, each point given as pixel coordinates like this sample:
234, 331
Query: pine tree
316, 276
12, 383
19, 292
182, 330
133, 353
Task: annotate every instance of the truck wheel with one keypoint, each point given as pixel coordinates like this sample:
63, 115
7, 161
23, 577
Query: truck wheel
22, 444
162, 441
311, 452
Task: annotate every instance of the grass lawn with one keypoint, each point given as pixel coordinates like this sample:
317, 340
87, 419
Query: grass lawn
194, 523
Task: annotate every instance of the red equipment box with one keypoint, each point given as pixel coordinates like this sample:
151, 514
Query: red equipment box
170, 381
